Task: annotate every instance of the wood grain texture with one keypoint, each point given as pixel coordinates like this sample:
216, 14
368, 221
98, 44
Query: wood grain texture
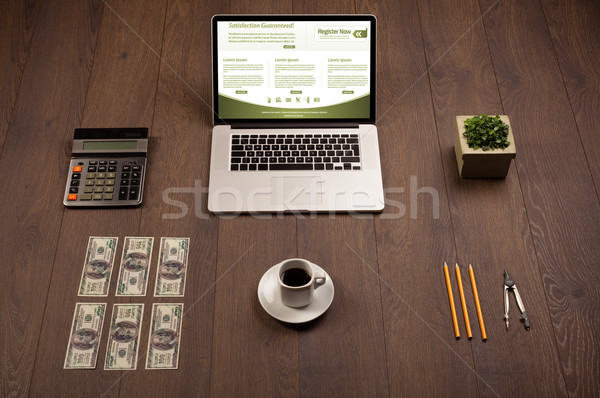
575, 31
105, 105
488, 216
49, 105
414, 234
17, 24
253, 354
342, 353
558, 189
124, 76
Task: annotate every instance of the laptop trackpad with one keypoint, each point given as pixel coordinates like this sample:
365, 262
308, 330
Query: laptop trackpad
297, 193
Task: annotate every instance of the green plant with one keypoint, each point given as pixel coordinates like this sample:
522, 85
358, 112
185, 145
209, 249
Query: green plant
486, 132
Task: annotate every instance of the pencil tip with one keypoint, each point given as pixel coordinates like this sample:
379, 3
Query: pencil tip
470, 266
445, 265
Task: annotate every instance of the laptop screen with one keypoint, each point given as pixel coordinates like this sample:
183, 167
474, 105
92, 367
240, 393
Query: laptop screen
293, 68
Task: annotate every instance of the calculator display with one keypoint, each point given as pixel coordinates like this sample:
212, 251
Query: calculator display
108, 145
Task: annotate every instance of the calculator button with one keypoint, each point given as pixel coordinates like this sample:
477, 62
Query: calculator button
93, 162
112, 162
73, 190
111, 175
102, 162
137, 167
88, 183
97, 196
91, 168
72, 196
108, 196
74, 183
90, 176
136, 174
112, 168
124, 182
102, 168
123, 193
85, 196
98, 189
100, 175
76, 176
109, 189
110, 182
133, 193
135, 182
88, 190
76, 169
126, 168
124, 175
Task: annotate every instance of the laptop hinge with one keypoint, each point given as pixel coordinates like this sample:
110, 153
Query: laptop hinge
309, 125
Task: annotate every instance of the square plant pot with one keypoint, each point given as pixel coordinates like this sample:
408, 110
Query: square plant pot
477, 163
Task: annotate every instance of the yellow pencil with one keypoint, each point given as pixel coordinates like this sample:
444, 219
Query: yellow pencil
451, 298
476, 297
463, 302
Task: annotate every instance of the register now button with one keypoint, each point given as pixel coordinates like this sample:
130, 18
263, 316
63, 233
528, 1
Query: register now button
241, 91
347, 92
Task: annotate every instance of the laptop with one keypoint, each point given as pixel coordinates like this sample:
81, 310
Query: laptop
294, 114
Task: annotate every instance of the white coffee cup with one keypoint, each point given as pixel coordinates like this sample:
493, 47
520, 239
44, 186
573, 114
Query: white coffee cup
298, 280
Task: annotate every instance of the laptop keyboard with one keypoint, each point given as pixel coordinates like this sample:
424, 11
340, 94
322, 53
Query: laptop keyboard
295, 152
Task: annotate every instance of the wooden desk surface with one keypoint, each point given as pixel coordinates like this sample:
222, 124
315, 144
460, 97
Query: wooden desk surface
68, 64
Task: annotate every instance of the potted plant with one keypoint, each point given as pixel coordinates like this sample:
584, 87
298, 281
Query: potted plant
484, 146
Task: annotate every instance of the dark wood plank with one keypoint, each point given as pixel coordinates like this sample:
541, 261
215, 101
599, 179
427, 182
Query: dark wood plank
49, 105
253, 354
575, 31
558, 190
414, 234
488, 216
343, 353
124, 76
121, 92
175, 205
17, 24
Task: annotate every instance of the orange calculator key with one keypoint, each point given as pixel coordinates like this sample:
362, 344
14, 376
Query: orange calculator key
76, 169
72, 196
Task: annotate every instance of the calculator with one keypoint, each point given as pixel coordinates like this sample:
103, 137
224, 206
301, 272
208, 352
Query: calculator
108, 167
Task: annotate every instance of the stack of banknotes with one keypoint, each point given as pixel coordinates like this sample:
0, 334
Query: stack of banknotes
164, 333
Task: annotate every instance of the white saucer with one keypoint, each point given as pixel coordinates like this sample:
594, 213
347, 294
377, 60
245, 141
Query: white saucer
269, 296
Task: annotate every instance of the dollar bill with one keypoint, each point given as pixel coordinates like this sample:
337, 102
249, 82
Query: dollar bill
172, 267
165, 336
86, 331
97, 269
124, 338
135, 266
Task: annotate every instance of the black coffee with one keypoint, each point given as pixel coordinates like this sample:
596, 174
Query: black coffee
295, 277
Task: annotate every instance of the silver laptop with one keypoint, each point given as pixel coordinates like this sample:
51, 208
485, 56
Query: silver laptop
294, 114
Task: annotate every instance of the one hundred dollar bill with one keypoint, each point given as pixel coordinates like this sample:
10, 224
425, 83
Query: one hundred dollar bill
165, 336
86, 332
172, 267
124, 337
135, 266
97, 269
